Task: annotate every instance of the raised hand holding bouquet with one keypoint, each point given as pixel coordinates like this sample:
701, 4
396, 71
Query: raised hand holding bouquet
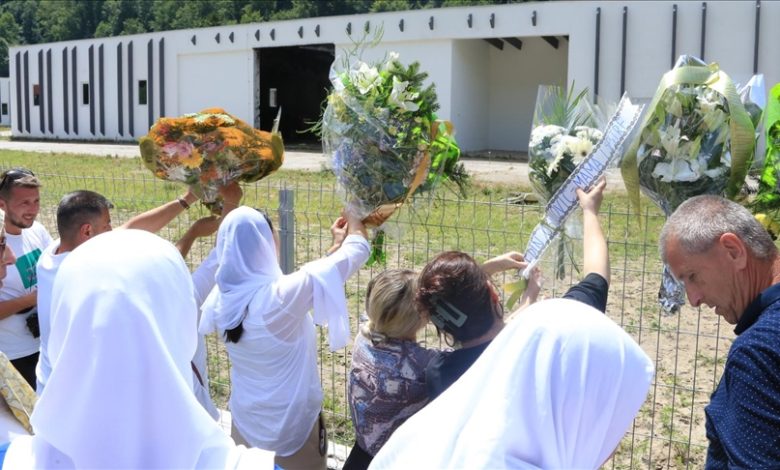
564, 132
384, 139
210, 149
697, 138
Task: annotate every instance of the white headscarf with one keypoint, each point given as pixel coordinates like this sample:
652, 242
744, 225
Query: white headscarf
248, 267
248, 264
557, 388
120, 393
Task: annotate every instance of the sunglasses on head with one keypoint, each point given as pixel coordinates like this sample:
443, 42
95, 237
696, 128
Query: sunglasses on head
14, 174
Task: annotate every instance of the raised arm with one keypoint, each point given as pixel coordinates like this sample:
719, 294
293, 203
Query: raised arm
596, 254
203, 227
155, 219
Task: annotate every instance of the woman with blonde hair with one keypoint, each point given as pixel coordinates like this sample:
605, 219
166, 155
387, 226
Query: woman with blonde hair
387, 379
557, 388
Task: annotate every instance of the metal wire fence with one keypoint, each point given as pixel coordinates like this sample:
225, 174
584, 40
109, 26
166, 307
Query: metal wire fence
688, 348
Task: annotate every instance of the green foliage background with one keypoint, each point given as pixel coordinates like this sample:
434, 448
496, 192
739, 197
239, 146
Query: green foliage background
40, 21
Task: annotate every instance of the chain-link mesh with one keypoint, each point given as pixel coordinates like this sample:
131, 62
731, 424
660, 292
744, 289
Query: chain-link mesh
689, 349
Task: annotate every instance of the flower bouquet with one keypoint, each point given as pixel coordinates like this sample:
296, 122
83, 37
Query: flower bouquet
564, 133
209, 149
384, 139
696, 139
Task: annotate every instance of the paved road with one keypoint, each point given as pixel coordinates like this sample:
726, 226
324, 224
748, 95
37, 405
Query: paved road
503, 172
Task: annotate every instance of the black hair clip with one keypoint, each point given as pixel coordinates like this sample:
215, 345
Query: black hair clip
447, 315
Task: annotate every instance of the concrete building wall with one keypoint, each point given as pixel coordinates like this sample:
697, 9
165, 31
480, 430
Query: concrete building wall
5, 102
470, 98
487, 93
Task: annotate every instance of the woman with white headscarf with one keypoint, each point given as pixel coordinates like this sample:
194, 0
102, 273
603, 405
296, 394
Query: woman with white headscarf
557, 388
276, 397
120, 394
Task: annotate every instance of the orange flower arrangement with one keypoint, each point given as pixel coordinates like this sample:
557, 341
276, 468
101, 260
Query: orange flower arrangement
209, 149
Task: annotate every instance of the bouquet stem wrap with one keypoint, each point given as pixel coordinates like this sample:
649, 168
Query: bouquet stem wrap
210, 149
696, 138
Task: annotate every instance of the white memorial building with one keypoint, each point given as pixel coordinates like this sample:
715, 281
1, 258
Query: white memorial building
486, 62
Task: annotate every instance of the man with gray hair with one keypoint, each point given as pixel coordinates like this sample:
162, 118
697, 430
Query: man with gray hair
727, 261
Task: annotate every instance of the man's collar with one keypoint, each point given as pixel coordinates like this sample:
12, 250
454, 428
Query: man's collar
766, 298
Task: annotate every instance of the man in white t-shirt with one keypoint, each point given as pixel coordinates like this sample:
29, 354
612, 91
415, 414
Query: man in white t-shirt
20, 199
82, 215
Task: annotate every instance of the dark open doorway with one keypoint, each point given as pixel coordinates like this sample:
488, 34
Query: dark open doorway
295, 78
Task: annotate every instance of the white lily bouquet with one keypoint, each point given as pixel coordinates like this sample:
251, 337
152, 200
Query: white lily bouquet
696, 138
385, 141
565, 131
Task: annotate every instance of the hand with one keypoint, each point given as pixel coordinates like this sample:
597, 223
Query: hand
591, 201
231, 193
354, 223
190, 197
339, 232
534, 287
204, 227
531, 293
505, 262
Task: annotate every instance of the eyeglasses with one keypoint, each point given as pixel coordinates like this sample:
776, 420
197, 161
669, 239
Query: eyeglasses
14, 174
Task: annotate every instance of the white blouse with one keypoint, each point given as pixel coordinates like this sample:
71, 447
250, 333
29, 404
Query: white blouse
276, 394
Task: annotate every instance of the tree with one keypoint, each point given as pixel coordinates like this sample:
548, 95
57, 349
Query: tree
124, 17
390, 5
64, 20
10, 35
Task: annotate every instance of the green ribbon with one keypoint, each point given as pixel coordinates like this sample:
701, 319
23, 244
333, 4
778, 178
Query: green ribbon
741, 128
768, 197
378, 253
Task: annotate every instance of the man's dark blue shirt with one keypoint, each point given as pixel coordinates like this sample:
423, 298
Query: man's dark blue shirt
743, 417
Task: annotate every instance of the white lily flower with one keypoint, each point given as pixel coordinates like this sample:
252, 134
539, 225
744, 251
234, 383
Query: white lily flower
391, 62
715, 172
675, 108
677, 170
670, 139
365, 78
714, 120
400, 97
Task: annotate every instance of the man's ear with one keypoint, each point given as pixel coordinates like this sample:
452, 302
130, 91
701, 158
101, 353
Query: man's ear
86, 231
734, 248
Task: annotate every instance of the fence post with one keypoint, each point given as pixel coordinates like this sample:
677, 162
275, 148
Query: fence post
287, 230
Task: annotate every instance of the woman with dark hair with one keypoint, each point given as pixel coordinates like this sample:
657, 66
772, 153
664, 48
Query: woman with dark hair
458, 296
276, 396
556, 389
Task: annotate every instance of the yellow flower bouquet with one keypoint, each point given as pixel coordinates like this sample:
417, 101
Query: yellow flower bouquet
209, 149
